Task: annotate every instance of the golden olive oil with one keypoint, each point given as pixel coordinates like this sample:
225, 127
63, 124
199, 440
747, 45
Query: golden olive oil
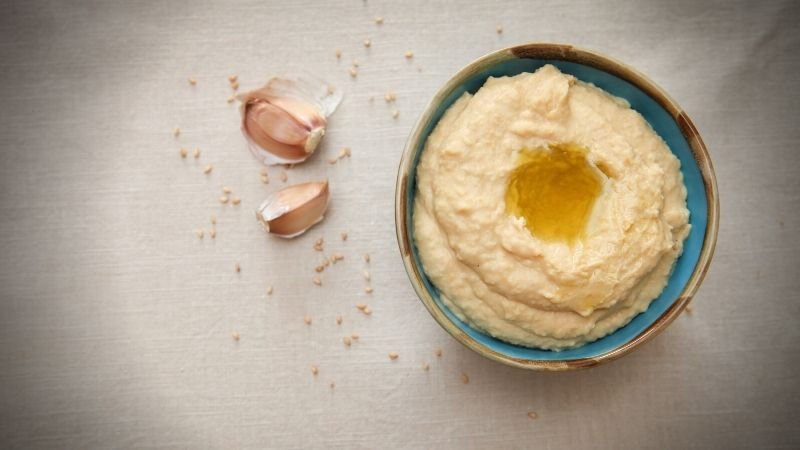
554, 189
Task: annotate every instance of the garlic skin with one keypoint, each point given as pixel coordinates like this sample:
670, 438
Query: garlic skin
285, 120
291, 211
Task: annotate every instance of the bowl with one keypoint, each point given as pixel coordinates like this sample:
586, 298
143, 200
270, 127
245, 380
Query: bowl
666, 118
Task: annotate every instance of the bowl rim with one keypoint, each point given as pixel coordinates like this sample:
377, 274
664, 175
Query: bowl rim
564, 52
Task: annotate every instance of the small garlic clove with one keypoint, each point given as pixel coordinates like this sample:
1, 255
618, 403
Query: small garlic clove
293, 210
285, 120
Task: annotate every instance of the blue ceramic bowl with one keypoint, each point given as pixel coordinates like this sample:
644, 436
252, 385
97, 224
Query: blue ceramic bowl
666, 118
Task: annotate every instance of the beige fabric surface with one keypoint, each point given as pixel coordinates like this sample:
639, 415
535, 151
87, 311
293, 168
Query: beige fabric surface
116, 321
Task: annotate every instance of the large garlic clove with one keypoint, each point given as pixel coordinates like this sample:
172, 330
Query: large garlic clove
285, 120
293, 210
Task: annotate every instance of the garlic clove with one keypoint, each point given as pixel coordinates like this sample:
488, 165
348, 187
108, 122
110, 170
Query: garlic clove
293, 210
285, 120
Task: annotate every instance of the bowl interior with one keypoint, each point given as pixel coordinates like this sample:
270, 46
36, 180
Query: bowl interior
663, 123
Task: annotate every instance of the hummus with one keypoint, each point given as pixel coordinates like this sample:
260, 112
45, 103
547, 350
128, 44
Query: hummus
527, 288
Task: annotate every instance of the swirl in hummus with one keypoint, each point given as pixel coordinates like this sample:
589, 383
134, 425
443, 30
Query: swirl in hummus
495, 273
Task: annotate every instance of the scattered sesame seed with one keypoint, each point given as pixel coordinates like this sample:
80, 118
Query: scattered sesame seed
368, 289
264, 179
346, 341
464, 378
366, 275
367, 311
230, 99
232, 78
269, 290
355, 336
207, 170
379, 20
263, 171
345, 151
237, 267
318, 244
184, 152
317, 280
343, 235
226, 189
213, 233
319, 268
353, 72
499, 29
409, 54
326, 262
307, 320
355, 63
367, 43
338, 53
331, 89
395, 114
337, 257
236, 200
333, 160
689, 309
235, 85
192, 81
176, 131
314, 370
333, 385
366, 257
438, 353
223, 199
361, 306
199, 233
235, 335
196, 152
393, 355
389, 96
532, 415
213, 219
338, 320
426, 366
284, 176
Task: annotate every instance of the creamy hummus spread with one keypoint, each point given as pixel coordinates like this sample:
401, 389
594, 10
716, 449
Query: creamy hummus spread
509, 274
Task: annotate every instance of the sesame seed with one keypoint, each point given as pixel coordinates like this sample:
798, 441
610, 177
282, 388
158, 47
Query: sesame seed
426, 366
338, 53
355, 63
319, 268
393, 356
337, 257
464, 378
438, 353
213, 233
379, 20
207, 170
284, 176
368, 289
223, 199
237, 267
395, 114
269, 290
314, 370
367, 43
230, 99
366, 275
409, 54
389, 96
318, 244
213, 219
346, 341
176, 131
353, 72
199, 233
366, 257
333, 160
338, 320
196, 153
235, 335
361, 306
355, 336
343, 235
184, 152
367, 311
192, 81
264, 179
333, 385
317, 280
263, 171
235, 85
307, 320
236, 200
532, 415
499, 29
226, 189
232, 78
689, 309
331, 89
